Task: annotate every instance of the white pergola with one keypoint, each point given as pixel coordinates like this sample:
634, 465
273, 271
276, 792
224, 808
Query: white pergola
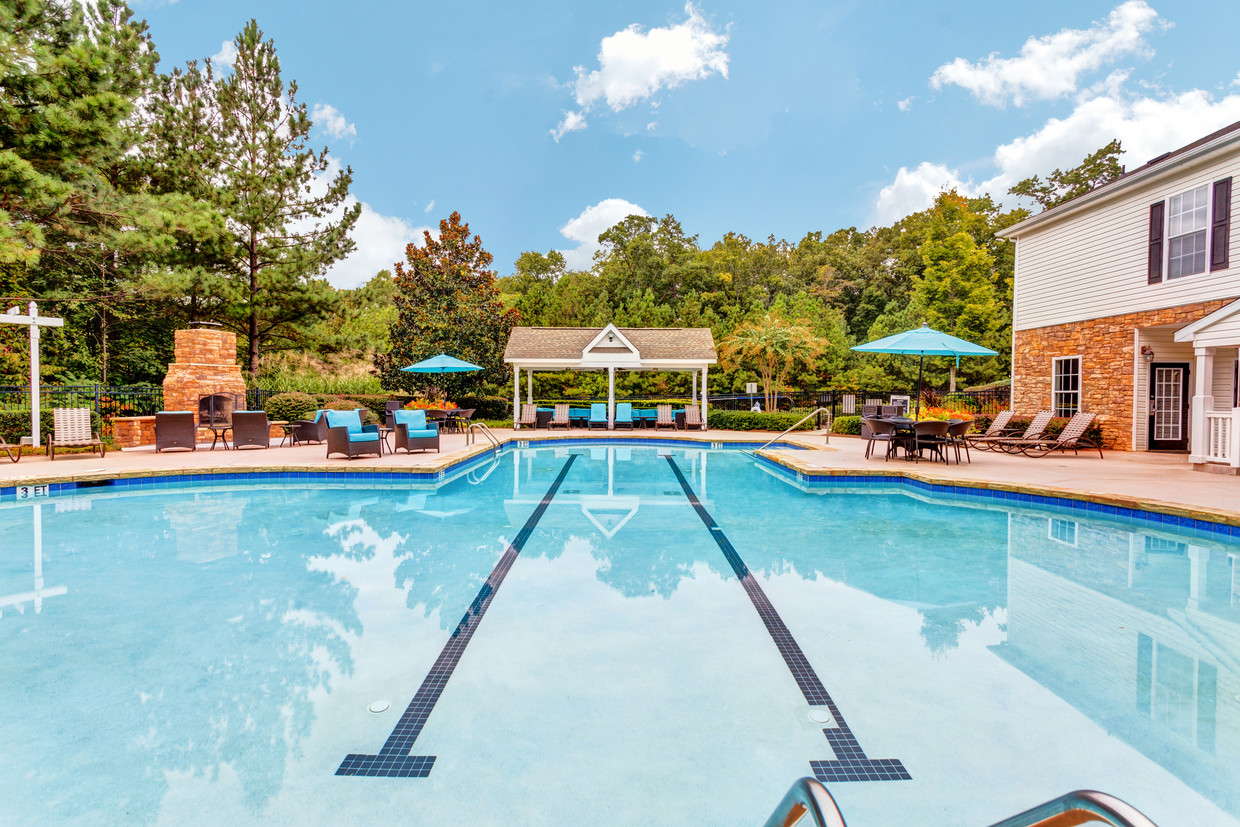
609, 348
33, 321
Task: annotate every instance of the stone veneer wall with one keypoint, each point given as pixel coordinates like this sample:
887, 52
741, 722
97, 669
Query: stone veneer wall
1106, 349
205, 363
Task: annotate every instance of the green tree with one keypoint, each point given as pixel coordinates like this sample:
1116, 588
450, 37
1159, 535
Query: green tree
1098, 168
447, 302
774, 347
240, 143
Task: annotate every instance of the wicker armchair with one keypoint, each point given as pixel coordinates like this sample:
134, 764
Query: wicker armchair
413, 431
347, 435
250, 429
310, 430
175, 429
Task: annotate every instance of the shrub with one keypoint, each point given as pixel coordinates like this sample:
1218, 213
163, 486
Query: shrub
847, 425
487, 407
291, 406
351, 405
750, 421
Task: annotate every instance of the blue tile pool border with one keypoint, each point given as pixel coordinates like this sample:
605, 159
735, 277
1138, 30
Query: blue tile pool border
1062, 502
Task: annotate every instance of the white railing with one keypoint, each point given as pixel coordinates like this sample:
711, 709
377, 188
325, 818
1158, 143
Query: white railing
1221, 441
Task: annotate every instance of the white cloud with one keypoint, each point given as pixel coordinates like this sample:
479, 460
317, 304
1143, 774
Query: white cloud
226, 56
330, 119
635, 64
430, 206
637, 156
652, 126
1146, 127
585, 229
915, 190
906, 104
381, 241
1050, 67
571, 123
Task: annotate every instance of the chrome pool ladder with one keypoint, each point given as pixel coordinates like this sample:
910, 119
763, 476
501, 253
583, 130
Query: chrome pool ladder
805, 418
471, 434
808, 804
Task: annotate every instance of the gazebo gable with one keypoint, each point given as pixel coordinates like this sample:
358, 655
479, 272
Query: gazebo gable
1220, 328
610, 347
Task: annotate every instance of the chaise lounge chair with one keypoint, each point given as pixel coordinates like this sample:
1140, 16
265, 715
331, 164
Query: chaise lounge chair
14, 452
998, 428
529, 416
1035, 431
665, 418
598, 415
562, 417
693, 418
1072, 436
347, 435
624, 415
175, 429
414, 432
250, 429
72, 430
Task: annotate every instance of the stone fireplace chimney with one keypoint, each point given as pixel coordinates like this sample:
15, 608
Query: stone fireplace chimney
206, 363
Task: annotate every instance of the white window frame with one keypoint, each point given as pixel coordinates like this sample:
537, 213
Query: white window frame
1052, 522
1080, 382
1203, 229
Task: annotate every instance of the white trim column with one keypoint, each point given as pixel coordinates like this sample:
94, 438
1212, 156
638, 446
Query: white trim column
693, 379
704, 396
611, 398
516, 395
529, 387
1203, 402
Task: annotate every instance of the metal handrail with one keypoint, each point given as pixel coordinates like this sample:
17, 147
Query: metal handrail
809, 799
812, 413
469, 433
806, 799
1079, 807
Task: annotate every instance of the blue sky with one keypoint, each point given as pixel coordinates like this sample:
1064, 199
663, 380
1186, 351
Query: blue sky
771, 118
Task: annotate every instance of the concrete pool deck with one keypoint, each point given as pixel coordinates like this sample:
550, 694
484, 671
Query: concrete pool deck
1150, 481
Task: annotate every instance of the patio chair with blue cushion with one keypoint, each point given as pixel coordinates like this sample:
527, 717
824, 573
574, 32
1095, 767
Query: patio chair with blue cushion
310, 430
598, 415
347, 435
413, 431
624, 415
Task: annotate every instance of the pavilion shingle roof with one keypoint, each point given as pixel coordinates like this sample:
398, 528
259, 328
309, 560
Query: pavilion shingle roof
651, 342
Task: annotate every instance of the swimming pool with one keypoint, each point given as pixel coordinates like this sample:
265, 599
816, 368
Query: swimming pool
606, 634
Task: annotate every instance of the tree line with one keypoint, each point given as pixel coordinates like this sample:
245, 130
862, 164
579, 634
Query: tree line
135, 202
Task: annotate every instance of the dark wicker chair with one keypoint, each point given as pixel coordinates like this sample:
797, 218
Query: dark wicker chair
176, 429
931, 435
347, 435
880, 431
250, 429
414, 432
956, 435
310, 430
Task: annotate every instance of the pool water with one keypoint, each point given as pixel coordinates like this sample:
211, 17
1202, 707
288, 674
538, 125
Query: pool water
605, 635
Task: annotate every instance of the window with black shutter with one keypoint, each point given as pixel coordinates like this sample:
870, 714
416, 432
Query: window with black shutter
1220, 226
1156, 241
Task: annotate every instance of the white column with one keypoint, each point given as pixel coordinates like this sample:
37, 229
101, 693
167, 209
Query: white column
703, 397
693, 378
1202, 402
529, 385
516, 395
1197, 559
611, 398
35, 381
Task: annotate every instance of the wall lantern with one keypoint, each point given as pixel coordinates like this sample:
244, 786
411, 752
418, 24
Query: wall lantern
1147, 353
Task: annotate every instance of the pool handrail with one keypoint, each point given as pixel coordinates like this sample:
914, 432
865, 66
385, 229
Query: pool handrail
814, 412
1079, 807
483, 429
806, 799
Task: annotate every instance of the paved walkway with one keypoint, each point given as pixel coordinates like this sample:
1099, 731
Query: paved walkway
1163, 482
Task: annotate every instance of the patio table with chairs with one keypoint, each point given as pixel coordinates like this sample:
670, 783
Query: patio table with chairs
918, 437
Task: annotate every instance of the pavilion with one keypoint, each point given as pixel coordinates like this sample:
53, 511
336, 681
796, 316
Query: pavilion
609, 348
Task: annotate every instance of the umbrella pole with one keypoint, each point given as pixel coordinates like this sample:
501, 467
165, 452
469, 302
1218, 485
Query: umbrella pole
920, 361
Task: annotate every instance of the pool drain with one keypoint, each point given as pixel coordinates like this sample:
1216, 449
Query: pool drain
820, 715
379, 706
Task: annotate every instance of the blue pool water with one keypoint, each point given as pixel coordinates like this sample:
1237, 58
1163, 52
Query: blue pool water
605, 635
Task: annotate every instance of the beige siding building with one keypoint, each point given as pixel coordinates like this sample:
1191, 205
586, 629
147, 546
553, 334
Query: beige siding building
1127, 305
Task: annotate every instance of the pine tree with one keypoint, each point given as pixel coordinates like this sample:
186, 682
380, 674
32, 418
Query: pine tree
240, 143
447, 302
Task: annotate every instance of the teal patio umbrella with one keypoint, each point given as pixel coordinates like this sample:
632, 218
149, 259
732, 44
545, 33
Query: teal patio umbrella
925, 341
443, 363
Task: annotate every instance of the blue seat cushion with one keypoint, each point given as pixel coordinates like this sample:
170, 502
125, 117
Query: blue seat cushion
342, 419
366, 437
423, 433
410, 419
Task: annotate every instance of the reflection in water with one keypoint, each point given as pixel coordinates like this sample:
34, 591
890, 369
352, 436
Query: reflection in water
41, 591
1138, 630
